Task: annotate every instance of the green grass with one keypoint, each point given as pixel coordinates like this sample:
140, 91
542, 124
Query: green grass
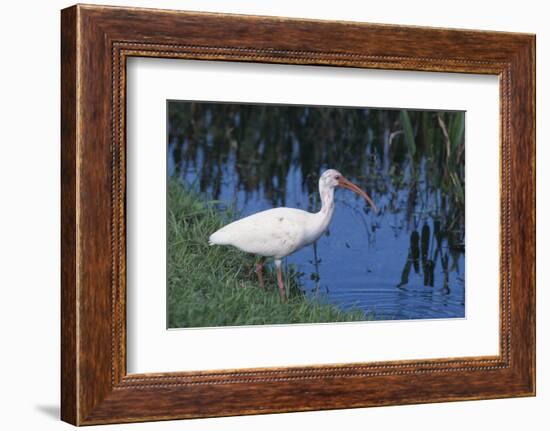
216, 285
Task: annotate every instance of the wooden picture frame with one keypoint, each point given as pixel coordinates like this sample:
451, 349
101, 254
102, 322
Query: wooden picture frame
95, 43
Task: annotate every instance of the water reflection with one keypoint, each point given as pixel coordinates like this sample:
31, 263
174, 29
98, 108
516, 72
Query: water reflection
406, 262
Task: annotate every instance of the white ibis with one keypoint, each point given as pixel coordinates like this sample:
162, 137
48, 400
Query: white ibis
279, 232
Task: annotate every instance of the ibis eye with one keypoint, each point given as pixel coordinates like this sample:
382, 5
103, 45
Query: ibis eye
337, 177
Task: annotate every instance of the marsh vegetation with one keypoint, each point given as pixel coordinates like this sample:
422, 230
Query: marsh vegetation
407, 262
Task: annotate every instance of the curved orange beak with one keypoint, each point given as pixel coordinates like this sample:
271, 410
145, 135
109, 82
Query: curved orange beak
344, 182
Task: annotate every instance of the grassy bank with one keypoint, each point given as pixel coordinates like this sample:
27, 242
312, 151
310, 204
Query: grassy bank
216, 286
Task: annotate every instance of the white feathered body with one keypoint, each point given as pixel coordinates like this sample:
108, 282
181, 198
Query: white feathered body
276, 232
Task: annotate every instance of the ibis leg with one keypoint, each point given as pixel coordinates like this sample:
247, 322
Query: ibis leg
259, 272
282, 291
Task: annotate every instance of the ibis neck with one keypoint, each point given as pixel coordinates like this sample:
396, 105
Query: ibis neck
327, 209
327, 200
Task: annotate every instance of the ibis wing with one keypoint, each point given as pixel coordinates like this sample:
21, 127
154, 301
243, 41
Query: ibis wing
272, 233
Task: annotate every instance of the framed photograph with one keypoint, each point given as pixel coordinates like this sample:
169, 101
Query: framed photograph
263, 214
